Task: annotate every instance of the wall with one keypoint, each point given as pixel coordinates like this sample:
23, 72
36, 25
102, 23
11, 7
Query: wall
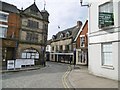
97, 37
26, 46
83, 32
13, 25
95, 62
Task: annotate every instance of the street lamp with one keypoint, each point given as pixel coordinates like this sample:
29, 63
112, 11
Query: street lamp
43, 58
81, 1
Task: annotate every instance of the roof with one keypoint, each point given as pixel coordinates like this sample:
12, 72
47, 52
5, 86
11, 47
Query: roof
49, 42
33, 7
73, 30
81, 30
33, 10
8, 7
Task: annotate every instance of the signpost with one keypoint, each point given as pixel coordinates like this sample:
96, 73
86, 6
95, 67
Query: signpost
105, 19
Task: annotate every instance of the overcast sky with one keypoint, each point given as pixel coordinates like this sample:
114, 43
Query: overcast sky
63, 13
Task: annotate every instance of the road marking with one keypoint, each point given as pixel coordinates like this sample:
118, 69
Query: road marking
64, 77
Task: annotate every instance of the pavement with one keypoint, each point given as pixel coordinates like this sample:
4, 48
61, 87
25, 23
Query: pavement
80, 77
22, 69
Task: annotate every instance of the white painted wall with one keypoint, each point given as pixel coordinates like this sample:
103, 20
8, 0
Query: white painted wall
48, 48
97, 37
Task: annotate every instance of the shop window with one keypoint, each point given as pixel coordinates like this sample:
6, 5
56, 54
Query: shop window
30, 54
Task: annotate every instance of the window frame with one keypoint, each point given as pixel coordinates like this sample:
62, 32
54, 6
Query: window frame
81, 41
3, 33
5, 14
103, 53
28, 54
107, 26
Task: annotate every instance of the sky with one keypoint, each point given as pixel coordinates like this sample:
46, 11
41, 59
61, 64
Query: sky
63, 13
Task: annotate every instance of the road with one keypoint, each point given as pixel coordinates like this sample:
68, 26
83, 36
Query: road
51, 76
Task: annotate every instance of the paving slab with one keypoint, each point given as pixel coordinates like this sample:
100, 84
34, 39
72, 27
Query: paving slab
81, 78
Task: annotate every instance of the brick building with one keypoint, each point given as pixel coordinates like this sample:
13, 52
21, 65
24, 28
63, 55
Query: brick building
82, 45
23, 33
9, 31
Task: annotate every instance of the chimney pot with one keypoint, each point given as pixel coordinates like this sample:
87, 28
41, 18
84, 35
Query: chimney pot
79, 23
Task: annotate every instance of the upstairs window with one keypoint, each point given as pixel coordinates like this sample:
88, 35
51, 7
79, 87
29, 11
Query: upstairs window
56, 48
106, 17
53, 48
31, 37
53, 37
3, 32
61, 48
82, 41
61, 35
33, 24
3, 17
68, 34
67, 48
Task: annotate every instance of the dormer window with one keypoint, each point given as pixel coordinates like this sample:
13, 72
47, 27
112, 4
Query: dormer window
68, 34
61, 35
53, 37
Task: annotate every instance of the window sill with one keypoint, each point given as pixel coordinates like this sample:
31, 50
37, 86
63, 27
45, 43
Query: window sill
108, 67
107, 27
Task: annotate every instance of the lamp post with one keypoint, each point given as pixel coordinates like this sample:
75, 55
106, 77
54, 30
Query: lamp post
81, 2
43, 58
74, 57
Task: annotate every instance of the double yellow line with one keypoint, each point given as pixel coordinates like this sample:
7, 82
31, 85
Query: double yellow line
64, 78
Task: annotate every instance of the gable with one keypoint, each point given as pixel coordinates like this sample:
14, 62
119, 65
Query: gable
33, 10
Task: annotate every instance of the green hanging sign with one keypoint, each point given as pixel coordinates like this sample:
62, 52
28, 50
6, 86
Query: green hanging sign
106, 19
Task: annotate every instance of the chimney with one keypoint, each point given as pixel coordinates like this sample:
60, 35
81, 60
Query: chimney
79, 23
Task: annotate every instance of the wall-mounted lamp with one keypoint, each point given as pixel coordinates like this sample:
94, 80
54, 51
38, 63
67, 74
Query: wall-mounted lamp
81, 1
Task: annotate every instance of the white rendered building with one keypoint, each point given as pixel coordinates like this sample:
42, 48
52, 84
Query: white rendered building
104, 38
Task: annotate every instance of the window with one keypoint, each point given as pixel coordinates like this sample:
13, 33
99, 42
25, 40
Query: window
61, 47
53, 37
32, 37
106, 17
3, 32
53, 48
67, 47
3, 17
82, 41
46, 27
61, 35
56, 48
107, 54
33, 24
68, 34
30, 53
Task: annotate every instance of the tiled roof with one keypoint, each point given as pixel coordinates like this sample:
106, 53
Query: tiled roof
73, 30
